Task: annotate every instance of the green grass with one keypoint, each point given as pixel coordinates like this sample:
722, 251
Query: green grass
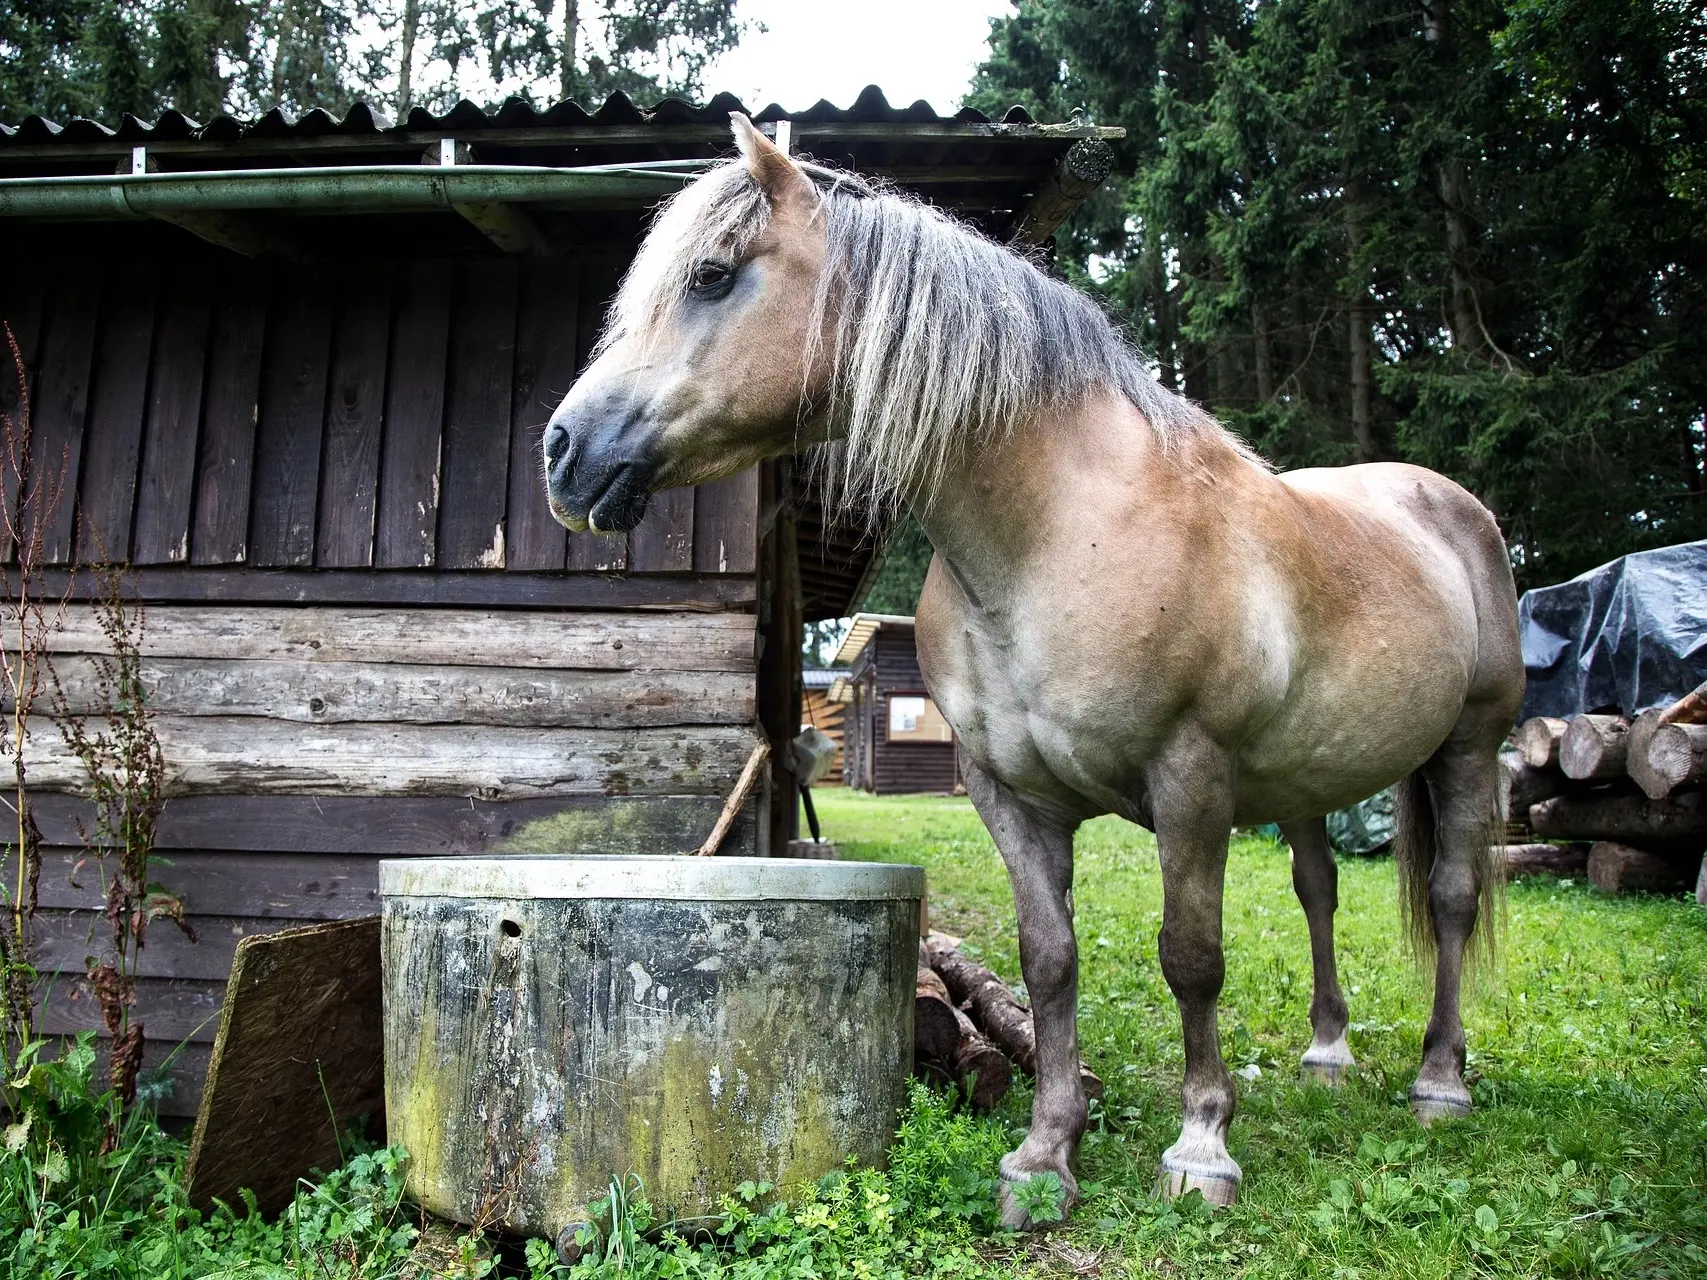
1586, 1154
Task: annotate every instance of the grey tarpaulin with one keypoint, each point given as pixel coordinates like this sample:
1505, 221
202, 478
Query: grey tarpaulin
1366, 827
1629, 635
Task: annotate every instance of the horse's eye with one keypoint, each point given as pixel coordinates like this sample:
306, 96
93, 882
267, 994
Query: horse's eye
711, 276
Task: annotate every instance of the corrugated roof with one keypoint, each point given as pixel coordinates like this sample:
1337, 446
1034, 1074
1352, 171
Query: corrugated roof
871, 107
865, 626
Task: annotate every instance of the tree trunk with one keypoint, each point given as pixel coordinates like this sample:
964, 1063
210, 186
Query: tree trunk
980, 1068
1454, 187
1156, 286
1004, 1019
1621, 817
1523, 787
936, 1031
571, 35
1592, 749
1454, 195
1262, 357
1359, 319
1553, 859
1618, 868
407, 35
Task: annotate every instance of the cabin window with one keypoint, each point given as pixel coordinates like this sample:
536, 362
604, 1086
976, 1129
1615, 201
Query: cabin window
914, 718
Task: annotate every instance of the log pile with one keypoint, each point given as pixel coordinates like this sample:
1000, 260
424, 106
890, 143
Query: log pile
970, 1029
1624, 801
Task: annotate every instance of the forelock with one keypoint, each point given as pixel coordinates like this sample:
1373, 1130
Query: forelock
719, 215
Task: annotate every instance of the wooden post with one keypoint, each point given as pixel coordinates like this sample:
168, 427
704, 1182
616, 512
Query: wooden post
1081, 171
737, 798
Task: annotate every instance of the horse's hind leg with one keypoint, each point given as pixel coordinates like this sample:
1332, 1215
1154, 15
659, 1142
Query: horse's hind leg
1039, 857
1193, 808
1460, 803
1315, 879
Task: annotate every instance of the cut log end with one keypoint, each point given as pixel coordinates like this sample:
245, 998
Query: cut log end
1671, 757
936, 1031
1538, 741
1592, 748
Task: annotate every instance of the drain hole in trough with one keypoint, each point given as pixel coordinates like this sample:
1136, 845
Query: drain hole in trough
511, 929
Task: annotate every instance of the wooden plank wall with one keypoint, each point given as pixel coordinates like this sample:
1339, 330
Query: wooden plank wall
304, 744
818, 711
380, 416
452, 674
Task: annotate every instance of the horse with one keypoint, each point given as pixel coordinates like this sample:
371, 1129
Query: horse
1127, 610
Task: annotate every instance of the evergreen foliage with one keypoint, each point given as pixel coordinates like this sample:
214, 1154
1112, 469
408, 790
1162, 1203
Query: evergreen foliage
1469, 234
102, 58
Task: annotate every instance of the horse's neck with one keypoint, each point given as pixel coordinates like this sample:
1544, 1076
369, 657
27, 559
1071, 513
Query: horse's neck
1006, 518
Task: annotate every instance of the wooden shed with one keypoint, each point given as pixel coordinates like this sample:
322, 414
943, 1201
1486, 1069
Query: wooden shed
298, 371
820, 711
894, 740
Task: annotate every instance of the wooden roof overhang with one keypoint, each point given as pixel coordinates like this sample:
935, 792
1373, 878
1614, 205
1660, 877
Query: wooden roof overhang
513, 182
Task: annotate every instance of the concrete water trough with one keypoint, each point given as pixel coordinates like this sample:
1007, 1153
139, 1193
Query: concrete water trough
552, 1022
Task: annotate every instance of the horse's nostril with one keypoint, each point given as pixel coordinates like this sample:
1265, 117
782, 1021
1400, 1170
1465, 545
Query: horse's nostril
556, 443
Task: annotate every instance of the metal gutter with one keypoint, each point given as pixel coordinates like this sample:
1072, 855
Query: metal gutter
344, 189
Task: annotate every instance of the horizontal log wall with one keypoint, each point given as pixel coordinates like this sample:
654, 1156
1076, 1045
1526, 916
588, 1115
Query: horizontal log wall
387, 417
303, 745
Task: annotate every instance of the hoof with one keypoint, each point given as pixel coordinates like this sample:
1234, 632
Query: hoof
1431, 1101
1017, 1216
1217, 1182
1327, 1063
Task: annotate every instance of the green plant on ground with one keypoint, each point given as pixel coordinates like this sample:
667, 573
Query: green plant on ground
31, 488
1586, 1155
108, 728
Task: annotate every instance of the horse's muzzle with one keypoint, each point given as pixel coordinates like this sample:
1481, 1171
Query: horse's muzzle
595, 485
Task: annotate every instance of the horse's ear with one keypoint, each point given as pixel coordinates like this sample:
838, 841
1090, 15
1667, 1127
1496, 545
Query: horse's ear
771, 169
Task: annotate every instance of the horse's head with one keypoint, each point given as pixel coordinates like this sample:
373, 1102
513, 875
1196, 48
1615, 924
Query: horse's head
708, 354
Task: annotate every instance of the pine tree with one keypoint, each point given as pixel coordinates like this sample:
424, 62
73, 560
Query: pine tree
1469, 234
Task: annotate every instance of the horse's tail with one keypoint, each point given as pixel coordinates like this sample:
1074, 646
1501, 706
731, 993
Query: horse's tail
1417, 850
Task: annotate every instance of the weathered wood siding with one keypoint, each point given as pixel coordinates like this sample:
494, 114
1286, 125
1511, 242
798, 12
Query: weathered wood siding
321, 424
826, 716
304, 744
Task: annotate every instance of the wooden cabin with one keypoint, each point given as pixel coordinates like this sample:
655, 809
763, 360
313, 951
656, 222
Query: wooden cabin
818, 710
894, 740
297, 371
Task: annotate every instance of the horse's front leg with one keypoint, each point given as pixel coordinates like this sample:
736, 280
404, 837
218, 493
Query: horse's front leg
1039, 857
1192, 800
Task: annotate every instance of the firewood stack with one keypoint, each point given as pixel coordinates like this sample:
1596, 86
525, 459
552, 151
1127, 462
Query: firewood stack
969, 1029
1623, 800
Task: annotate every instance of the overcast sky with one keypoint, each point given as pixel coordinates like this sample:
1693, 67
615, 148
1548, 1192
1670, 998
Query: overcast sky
832, 49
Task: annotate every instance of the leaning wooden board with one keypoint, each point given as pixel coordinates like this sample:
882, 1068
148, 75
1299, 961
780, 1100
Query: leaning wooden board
298, 1058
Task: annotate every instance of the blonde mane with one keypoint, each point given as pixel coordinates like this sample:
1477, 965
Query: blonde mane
942, 340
